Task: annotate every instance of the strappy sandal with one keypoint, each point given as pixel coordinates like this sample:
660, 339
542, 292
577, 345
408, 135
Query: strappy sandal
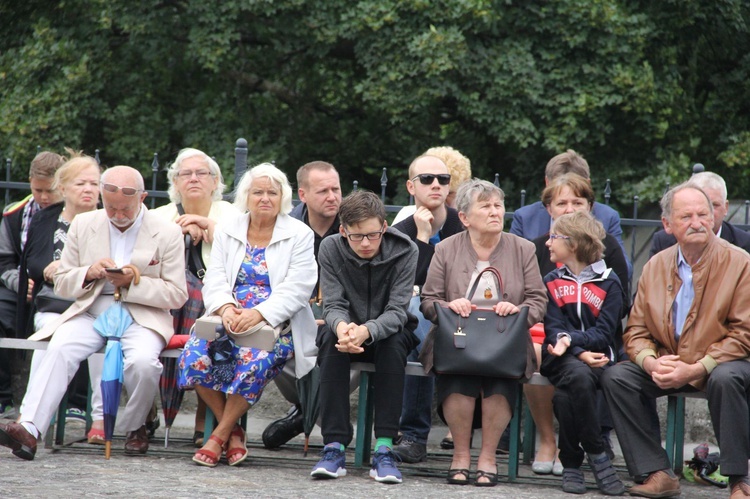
454, 473
237, 431
491, 477
95, 436
213, 459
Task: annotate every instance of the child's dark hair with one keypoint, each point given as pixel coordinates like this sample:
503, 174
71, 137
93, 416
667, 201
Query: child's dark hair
359, 206
585, 232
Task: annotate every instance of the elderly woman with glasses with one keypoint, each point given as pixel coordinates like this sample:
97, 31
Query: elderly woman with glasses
455, 267
262, 268
195, 189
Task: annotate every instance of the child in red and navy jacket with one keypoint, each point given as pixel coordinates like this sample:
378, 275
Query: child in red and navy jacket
585, 304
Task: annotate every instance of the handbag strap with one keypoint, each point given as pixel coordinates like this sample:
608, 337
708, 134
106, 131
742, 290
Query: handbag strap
191, 251
493, 271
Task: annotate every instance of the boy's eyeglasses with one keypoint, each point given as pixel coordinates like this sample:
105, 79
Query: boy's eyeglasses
372, 236
558, 236
429, 178
126, 191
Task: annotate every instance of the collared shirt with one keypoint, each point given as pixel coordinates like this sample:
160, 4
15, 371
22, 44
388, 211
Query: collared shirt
685, 295
121, 244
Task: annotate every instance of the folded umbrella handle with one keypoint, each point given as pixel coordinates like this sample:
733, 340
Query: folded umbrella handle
136, 278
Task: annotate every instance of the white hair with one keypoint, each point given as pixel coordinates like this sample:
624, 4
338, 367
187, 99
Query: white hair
710, 180
263, 170
174, 169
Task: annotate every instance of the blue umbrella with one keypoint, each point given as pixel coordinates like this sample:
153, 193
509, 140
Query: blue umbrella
111, 324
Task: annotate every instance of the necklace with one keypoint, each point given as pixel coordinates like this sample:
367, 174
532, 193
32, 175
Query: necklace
486, 279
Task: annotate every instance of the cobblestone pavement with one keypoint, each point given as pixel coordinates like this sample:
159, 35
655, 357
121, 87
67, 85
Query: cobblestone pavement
79, 469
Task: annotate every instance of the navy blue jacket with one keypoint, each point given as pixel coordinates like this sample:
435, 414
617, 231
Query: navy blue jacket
589, 311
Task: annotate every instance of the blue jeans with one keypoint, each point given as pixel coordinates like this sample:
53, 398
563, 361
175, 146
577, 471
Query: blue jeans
416, 413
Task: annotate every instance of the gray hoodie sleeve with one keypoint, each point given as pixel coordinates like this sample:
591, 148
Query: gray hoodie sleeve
394, 317
334, 299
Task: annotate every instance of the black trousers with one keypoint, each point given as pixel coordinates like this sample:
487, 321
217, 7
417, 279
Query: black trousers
8, 311
389, 357
576, 407
628, 389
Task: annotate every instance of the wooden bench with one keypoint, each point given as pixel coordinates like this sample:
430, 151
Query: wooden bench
59, 420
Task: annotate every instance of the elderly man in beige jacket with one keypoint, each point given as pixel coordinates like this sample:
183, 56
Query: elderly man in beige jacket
123, 233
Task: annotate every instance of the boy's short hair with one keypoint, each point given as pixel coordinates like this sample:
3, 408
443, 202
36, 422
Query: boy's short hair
585, 233
45, 164
359, 206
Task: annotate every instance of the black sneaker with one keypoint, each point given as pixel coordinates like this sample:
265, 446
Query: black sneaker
605, 474
572, 481
283, 430
411, 451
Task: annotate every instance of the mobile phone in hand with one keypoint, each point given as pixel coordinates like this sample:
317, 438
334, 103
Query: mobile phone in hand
114, 271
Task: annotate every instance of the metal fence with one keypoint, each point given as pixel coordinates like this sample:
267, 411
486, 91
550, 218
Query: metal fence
637, 240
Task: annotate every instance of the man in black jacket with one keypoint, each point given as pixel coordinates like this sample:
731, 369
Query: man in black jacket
13, 230
429, 183
716, 189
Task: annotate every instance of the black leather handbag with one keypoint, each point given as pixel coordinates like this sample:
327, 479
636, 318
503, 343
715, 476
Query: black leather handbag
483, 344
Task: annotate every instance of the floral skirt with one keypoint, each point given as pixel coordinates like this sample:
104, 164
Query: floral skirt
253, 368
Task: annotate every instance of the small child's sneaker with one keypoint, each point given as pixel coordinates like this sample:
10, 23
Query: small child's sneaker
332, 464
384, 468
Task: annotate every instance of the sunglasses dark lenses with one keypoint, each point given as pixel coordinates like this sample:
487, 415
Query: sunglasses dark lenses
429, 178
127, 191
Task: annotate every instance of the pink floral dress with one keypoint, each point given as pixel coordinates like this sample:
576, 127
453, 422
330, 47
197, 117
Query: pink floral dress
253, 368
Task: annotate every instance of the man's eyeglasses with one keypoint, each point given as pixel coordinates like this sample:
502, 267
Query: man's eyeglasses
429, 178
357, 238
186, 174
126, 191
558, 236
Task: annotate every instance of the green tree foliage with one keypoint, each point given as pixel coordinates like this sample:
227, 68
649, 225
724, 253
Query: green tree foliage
643, 89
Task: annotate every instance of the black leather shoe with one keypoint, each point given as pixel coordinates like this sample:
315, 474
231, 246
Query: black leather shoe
283, 430
411, 451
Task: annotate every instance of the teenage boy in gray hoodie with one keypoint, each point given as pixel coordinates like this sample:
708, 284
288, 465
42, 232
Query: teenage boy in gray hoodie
367, 277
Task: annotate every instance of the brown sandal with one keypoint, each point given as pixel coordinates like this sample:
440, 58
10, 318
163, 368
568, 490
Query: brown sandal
237, 431
213, 458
